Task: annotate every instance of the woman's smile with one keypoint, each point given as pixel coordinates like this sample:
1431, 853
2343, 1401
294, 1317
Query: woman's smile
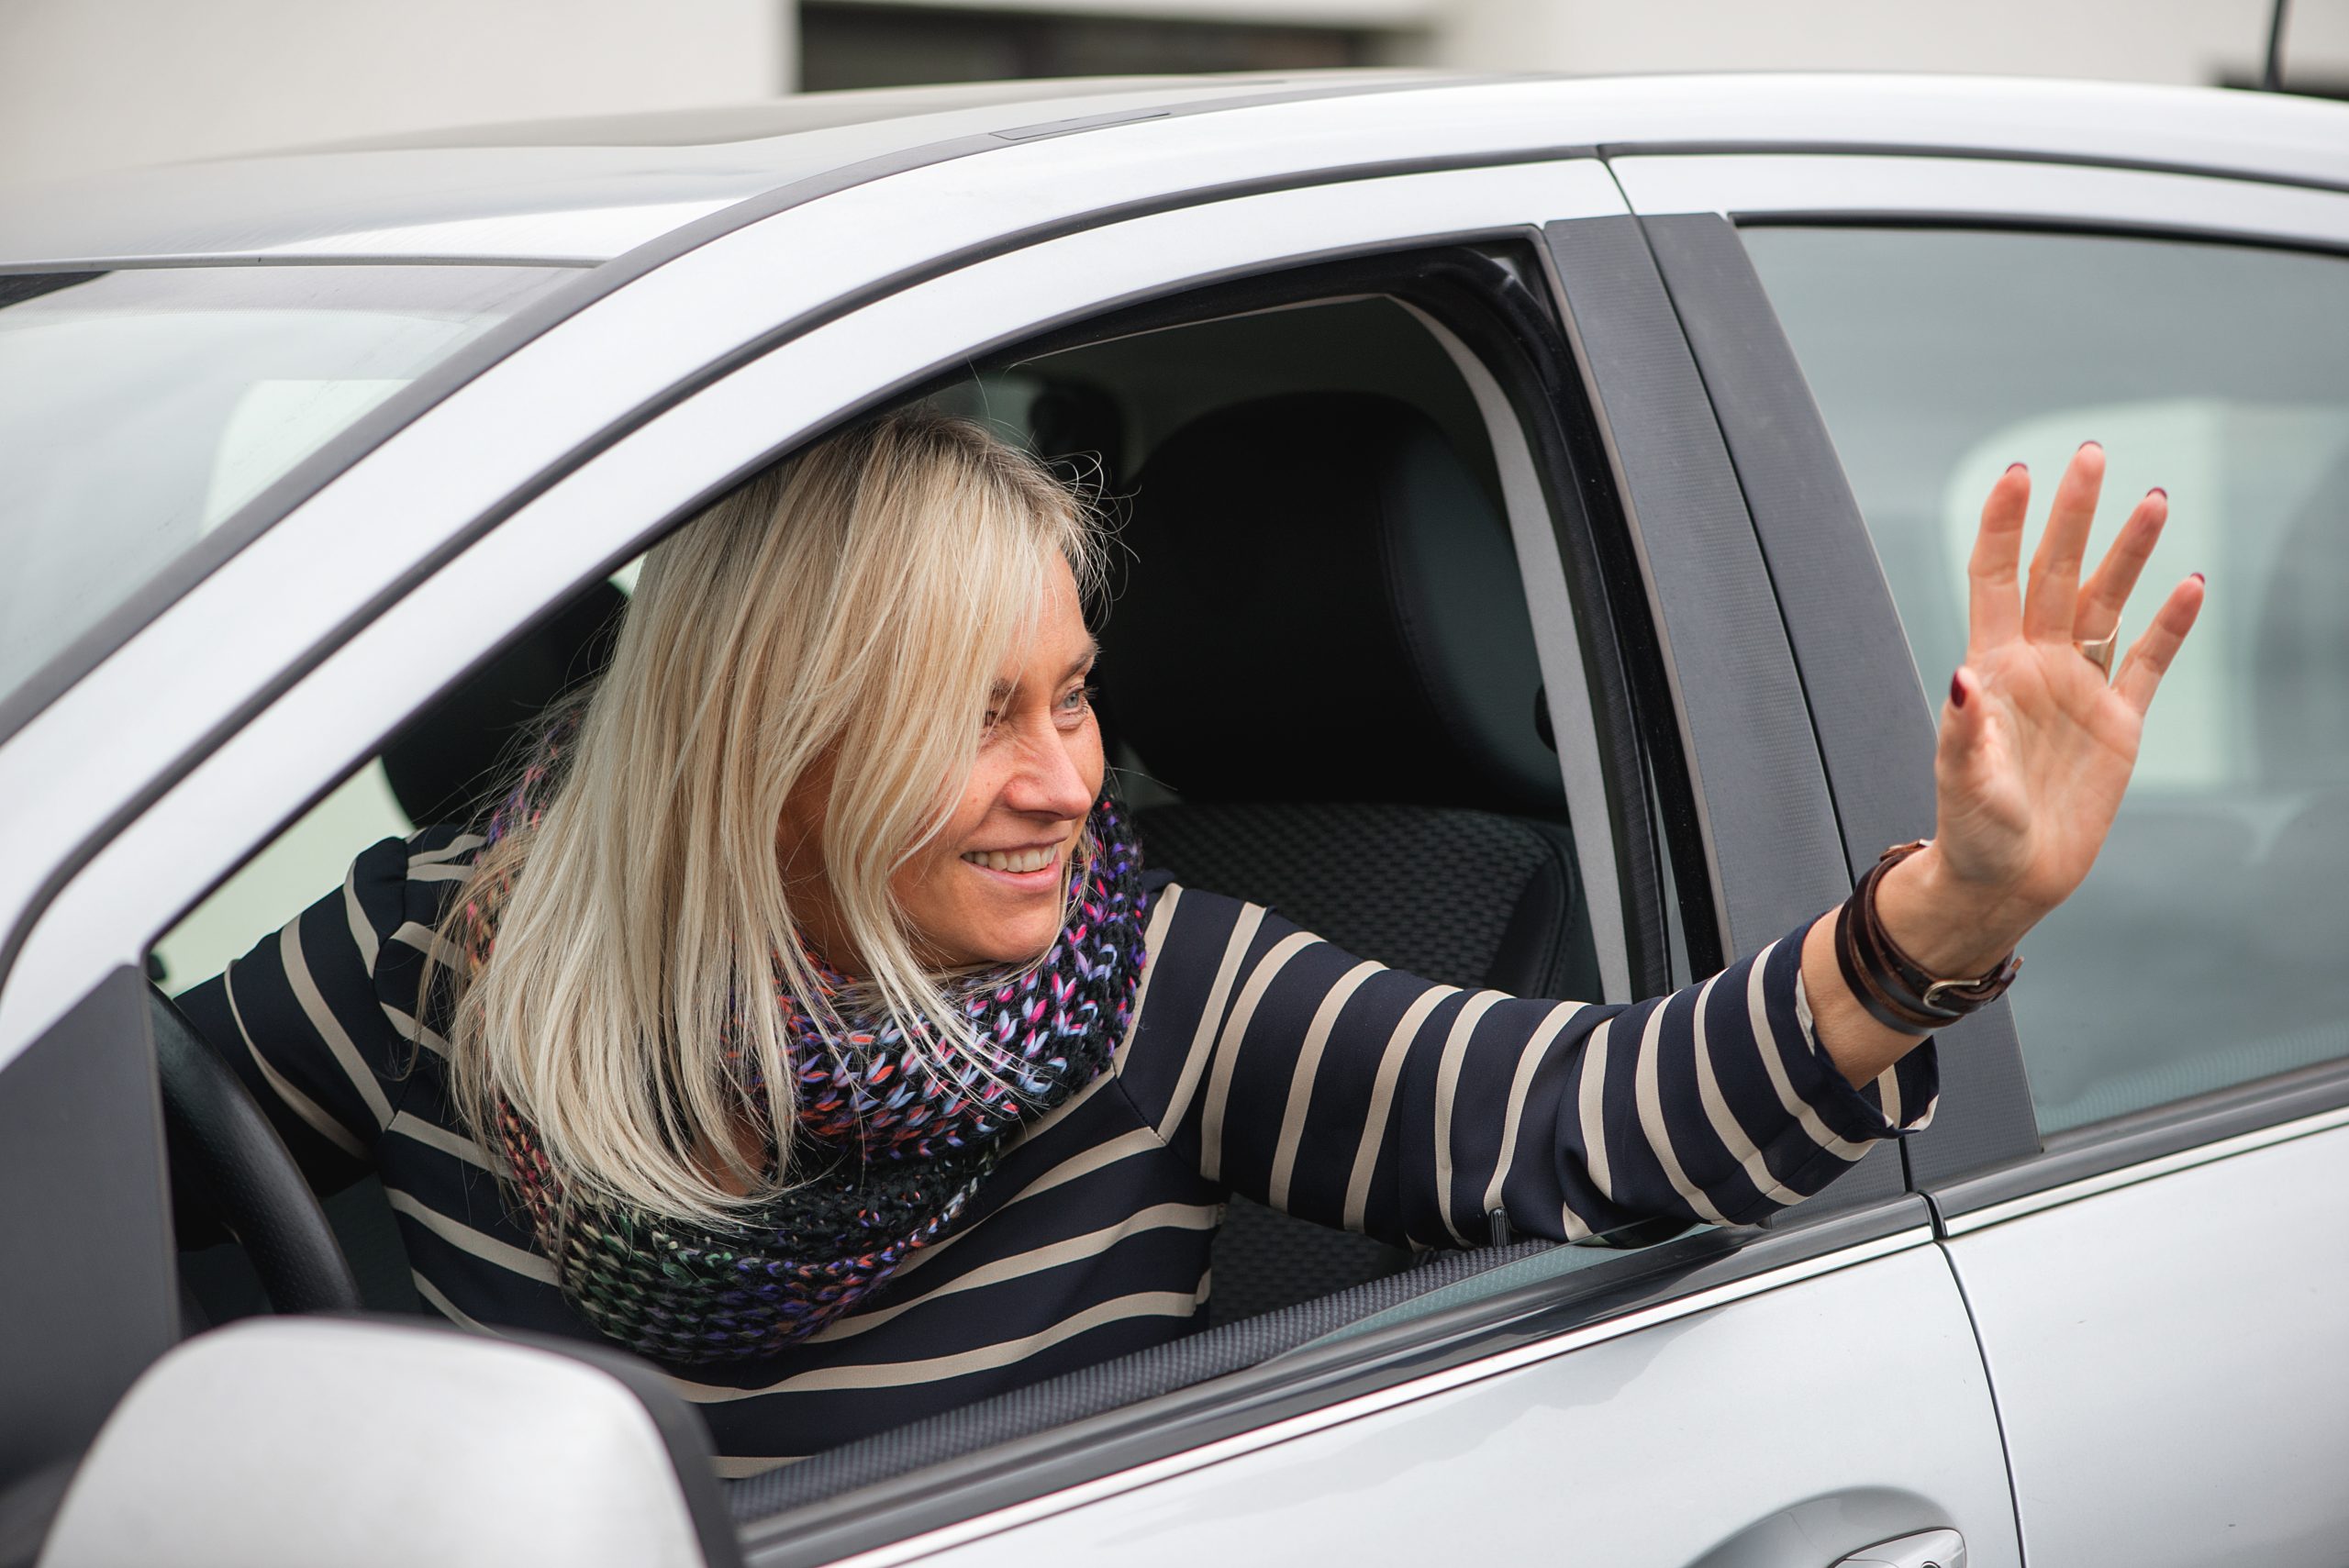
1034, 868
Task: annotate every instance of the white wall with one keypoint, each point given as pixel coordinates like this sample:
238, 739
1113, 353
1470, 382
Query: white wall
88, 85
2185, 41
1285, 13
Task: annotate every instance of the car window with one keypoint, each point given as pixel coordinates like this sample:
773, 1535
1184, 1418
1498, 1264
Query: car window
2203, 950
308, 857
139, 408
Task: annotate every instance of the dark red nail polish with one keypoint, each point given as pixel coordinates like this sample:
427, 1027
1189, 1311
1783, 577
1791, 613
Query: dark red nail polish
2086, 445
2012, 466
2198, 577
1956, 693
2157, 490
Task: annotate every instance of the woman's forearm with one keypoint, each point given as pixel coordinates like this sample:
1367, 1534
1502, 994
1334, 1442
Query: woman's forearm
1950, 930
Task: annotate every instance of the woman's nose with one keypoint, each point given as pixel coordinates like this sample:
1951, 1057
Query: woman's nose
1049, 782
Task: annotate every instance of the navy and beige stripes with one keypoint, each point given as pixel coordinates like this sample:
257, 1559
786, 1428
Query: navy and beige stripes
1262, 1061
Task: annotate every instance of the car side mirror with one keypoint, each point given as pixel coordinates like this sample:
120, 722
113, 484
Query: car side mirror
288, 1442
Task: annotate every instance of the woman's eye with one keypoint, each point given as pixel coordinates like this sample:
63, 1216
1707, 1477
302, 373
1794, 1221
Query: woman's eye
1078, 699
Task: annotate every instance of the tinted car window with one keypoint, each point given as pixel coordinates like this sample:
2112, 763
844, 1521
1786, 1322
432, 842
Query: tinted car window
2206, 949
139, 408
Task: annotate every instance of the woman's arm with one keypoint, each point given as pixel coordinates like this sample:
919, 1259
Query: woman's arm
316, 1020
1368, 1098
1357, 1096
2035, 751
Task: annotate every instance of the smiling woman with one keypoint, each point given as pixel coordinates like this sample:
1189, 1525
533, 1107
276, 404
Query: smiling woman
808, 1006
805, 695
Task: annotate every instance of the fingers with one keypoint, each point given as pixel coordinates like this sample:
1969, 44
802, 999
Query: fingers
2149, 657
2106, 594
1995, 604
2051, 603
1963, 714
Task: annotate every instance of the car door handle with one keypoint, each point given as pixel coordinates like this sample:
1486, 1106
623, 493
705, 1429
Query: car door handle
1926, 1549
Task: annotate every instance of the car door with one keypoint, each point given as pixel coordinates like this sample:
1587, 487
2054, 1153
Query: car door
1715, 1400
2140, 1206
1717, 1395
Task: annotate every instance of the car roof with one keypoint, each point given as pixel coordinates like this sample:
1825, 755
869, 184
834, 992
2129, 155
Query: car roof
584, 191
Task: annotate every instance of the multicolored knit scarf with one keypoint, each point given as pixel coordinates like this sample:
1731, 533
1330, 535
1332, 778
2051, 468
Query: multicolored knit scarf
897, 1136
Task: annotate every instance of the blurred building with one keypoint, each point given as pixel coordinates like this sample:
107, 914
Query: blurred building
89, 85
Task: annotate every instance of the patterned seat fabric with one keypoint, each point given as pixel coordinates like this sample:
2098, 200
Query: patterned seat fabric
1323, 649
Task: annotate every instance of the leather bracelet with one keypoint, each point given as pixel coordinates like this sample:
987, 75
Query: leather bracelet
1895, 989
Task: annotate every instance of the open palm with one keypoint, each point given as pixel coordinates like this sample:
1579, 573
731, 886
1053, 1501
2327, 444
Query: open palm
2036, 748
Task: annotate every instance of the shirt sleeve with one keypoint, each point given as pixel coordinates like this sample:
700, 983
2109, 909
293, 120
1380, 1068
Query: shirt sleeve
319, 1019
1354, 1094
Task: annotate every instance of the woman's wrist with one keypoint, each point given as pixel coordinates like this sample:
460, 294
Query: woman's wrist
1953, 928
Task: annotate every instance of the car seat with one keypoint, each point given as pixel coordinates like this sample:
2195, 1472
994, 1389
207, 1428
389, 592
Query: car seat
445, 765
1322, 647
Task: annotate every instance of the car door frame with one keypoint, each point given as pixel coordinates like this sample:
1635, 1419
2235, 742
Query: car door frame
1651, 423
1989, 1167
548, 540
1983, 1158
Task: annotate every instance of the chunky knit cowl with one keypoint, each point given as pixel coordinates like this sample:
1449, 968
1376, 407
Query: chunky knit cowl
892, 1135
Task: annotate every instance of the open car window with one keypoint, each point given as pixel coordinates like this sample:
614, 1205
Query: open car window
1103, 412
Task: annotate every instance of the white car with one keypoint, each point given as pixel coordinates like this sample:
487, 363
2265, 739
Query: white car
305, 460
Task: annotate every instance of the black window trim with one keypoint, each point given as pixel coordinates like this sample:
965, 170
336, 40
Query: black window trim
1762, 825
1970, 1174
1856, 669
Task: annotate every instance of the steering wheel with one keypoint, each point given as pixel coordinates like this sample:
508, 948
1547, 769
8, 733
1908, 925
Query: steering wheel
231, 1173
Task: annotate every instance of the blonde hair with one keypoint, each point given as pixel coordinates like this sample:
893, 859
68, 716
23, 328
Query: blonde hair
847, 610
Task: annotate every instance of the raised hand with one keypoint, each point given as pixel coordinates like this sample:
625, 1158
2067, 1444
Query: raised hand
2036, 747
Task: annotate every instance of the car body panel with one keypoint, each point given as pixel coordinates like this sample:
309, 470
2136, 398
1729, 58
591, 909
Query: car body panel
581, 190
397, 197
2171, 1358
1781, 1428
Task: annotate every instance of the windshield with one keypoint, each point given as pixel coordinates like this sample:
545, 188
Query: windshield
140, 409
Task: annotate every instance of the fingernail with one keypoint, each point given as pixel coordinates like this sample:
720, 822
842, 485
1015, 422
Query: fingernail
1956, 691
2086, 445
2198, 577
2012, 466
2157, 490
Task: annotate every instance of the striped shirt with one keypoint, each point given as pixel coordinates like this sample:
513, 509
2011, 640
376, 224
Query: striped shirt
1262, 1060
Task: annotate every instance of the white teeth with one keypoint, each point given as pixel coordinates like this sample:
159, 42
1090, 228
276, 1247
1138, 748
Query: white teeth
1014, 860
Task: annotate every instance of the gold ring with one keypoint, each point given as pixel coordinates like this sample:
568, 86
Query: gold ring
2100, 652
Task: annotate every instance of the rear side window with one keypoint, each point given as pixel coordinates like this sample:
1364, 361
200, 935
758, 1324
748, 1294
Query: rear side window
2206, 949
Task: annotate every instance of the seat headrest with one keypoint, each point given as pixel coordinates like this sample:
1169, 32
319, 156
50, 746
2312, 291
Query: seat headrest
1320, 603
2299, 644
445, 766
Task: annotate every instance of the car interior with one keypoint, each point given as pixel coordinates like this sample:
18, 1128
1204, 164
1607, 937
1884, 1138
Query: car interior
1306, 508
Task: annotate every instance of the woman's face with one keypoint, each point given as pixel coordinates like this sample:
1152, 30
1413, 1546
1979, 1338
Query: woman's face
988, 888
